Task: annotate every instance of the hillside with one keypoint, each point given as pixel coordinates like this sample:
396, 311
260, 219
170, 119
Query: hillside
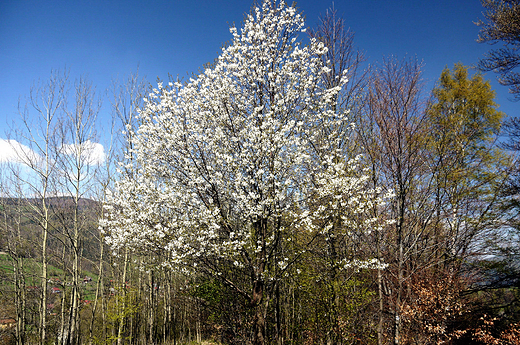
21, 231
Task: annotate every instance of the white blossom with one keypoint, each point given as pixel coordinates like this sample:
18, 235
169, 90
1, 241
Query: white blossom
240, 144
363, 264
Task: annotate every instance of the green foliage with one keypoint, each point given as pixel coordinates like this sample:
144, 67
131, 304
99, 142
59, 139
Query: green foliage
465, 122
223, 311
467, 164
210, 291
334, 304
464, 111
120, 307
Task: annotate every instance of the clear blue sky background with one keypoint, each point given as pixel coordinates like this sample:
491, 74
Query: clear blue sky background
108, 39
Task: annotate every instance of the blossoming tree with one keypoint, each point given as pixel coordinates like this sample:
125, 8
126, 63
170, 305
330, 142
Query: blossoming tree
227, 167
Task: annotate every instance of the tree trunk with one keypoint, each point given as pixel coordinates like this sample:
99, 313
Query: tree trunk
381, 306
259, 320
123, 307
62, 335
96, 298
151, 317
20, 301
43, 304
74, 303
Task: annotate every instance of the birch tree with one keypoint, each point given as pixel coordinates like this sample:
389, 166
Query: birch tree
229, 166
37, 153
12, 215
79, 158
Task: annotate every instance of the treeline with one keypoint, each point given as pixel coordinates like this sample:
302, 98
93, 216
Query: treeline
115, 297
60, 283
266, 201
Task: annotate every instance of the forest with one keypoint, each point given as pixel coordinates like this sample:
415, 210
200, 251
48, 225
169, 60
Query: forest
287, 193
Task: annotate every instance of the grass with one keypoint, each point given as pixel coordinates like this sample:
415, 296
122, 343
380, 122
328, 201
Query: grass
32, 272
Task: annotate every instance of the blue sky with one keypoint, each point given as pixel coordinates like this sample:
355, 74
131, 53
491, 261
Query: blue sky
106, 40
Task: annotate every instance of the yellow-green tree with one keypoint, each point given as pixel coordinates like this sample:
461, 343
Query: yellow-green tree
467, 164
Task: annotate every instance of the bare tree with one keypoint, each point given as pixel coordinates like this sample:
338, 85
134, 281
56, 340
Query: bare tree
36, 148
16, 245
344, 60
78, 160
393, 135
502, 25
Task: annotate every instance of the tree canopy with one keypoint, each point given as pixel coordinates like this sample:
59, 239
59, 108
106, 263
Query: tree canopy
502, 25
230, 164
